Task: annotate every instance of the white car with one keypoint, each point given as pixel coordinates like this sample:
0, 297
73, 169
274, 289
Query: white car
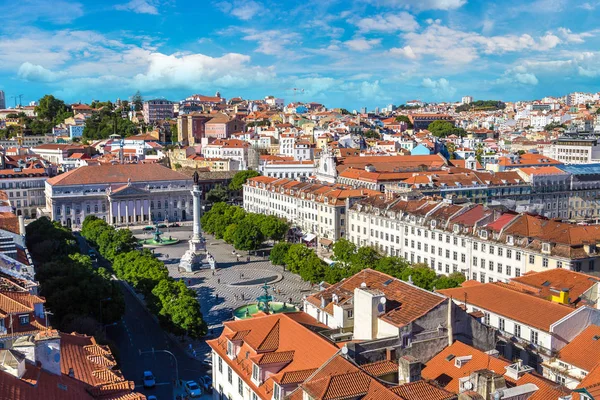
149, 379
193, 389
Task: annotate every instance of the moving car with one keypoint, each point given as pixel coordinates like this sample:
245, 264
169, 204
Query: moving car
193, 389
149, 379
148, 228
206, 383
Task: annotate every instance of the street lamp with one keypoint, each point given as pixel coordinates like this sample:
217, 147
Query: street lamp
172, 355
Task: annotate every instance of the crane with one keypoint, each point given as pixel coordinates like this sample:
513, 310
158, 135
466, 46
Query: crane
296, 90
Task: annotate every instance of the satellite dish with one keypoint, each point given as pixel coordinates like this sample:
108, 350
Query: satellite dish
382, 300
468, 385
344, 350
363, 285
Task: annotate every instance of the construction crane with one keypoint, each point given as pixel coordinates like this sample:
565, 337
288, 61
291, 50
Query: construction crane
17, 97
296, 90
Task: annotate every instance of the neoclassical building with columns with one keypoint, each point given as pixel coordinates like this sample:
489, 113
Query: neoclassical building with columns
119, 194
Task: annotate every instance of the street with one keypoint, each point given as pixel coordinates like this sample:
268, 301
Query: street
139, 332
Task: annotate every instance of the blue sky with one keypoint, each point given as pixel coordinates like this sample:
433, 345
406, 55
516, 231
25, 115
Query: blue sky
341, 53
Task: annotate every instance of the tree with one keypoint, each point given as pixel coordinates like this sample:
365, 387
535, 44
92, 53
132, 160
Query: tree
455, 279
312, 268
106, 122
138, 101
49, 108
421, 276
217, 194
365, 257
295, 256
279, 252
240, 178
343, 251
372, 134
441, 128
247, 236
393, 266
404, 118
179, 308
229, 234
273, 227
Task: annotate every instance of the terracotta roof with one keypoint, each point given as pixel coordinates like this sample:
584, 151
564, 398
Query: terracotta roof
119, 173
443, 370
9, 222
420, 390
591, 384
547, 283
406, 302
380, 368
275, 338
583, 351
547, 390
523, 308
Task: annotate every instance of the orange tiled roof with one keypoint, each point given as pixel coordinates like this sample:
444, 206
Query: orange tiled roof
422, 390
119, 173
446, 374
583, 351
521, 307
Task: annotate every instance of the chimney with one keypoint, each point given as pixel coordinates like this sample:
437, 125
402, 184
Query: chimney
409, 369
21, 225
390, 354
47, 351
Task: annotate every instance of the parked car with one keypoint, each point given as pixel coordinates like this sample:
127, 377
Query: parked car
193, 389
162, 226
148, 228
153, 397
206, 383
92, 254
149, 379
174, 225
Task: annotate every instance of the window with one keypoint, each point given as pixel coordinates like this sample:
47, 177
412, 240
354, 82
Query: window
254, 396
531, 259
499, 268
474, 276
240, 386
491, 249
560, 380
482, 278
483, 247
518, 256
229, 375
24, 319
508, 253
559, 264
276, 391
534, 337
491, 265
350, 314
517, 330
229, 348
475, 245
508, 271
474, 261
517, 272
255, 372
501, 324
500, 251
463, 258
220, 365
486, 318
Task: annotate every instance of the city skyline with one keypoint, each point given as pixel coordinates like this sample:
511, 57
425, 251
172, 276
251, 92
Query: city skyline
365, 53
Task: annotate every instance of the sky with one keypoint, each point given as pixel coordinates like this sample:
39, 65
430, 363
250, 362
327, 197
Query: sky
342, 53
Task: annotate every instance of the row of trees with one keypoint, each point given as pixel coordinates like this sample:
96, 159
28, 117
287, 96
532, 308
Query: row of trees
482, 105
444, 128
81, 297
245, 231
172, 301
350, 260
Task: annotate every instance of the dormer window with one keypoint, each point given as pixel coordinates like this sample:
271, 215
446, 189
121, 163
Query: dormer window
276, 392
255, 373
456, 228
433, 223
483, 234
510, 240
230, 349
545, 247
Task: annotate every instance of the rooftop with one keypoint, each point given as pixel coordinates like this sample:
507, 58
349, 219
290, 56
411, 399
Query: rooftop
119, 173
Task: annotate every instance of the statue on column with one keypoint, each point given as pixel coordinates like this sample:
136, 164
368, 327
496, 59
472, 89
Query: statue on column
196, 256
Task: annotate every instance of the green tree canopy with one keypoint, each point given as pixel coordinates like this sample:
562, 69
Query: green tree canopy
138, 101
279, 252
240, 178
365, 257
343, 251
372, 134
404, 118
247, 236
441, 128
102, 124
49, 108
217, 194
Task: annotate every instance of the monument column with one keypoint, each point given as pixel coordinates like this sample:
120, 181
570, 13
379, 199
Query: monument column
196, 240
194, 256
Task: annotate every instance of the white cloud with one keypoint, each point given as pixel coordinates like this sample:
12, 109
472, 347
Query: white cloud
272, 42
37, 73
139, 7
242, 9
405, 51
421, 5
589, 6
388, 23
455, 47
440, 88
362, 44
571, 37
517, 76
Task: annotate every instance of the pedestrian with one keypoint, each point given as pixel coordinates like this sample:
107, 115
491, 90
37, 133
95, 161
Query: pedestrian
189, 282
240, 275
248, 259
216, 297
213, 272
290, 299
219, 280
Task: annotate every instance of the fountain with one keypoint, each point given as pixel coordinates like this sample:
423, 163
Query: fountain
157, 239
264, 304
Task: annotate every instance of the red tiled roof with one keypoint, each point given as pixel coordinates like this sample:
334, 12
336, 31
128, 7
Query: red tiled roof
523, 308
583, 351
119, 173
421, 390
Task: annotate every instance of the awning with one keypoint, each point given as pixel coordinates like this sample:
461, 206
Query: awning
326, 242
309, 237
